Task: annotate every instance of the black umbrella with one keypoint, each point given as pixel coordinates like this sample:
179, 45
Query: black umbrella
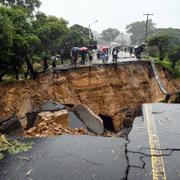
75, 49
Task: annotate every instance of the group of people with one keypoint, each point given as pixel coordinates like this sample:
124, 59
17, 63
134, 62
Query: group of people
84, 54
104, 54
87, 55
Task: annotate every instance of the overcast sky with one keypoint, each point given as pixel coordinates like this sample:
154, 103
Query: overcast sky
114, 13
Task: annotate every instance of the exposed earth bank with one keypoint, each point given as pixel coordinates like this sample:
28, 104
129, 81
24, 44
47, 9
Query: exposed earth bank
108, 90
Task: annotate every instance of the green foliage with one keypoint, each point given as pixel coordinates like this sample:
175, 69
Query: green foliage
26, 37
168, 65
110, 34
153, 51
175, 33
51, 32
82, 31
174, 56
13, 147
28, 5
77, 36
6, 41
137, 31
167, 42
162, 43
19, 43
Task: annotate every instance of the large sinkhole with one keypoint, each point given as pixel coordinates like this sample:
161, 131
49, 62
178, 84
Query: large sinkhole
57, 119
96, 100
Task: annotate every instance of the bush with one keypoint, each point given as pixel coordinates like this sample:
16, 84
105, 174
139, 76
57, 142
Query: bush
174, 56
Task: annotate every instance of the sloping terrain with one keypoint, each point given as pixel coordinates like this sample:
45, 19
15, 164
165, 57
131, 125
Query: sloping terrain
108, 90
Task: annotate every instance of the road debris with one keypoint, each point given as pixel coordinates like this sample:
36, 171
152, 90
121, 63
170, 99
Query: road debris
24, 158
29, 172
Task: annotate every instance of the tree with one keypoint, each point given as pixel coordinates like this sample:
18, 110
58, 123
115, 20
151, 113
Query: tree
16, 41
28, 5
6, 41
83, 31
137, 31
174, 56
110, 34
82, 34
173, 33
162, 43
51, 32
24, 49
23, 42
78, 36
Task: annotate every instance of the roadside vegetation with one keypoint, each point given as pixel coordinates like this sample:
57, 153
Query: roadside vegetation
12, 146
163, 44
166, 51
166, 63
27, 37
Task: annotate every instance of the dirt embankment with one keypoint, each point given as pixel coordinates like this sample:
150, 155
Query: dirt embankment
107, 89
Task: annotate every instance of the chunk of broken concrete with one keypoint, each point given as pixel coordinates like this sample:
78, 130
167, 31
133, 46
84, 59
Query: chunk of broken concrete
52, 106
93, 122
11, 125
75, 122
61, 117
58, 117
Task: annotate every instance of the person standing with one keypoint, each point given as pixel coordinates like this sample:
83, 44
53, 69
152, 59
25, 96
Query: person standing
103, 56
75, 55
45, 64
54, 62
62, 55
131, 51
138, 52
115, 54
83, 57
90, 55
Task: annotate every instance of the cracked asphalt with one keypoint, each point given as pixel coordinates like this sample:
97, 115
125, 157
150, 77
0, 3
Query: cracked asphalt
150, 151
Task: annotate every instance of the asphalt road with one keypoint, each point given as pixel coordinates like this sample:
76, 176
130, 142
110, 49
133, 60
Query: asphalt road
122, 57
164, 127
151, 151
68, 157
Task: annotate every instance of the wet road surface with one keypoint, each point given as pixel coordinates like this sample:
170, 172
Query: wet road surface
122, 57
68, 157
154, 143
165, 124
151, 151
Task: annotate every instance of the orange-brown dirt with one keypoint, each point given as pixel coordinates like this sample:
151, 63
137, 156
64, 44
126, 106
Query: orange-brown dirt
52, 128
106, 89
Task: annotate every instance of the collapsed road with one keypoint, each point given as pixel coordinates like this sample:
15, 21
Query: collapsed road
113, 93
150, 151
108, 90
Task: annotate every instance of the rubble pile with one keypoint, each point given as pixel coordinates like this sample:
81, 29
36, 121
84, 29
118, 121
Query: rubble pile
52, 123
50, 128
56, 123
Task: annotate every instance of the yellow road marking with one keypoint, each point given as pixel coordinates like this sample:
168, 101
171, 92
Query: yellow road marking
157, 162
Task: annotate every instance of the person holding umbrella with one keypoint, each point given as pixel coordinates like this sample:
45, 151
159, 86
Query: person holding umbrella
83, 52
106, 50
